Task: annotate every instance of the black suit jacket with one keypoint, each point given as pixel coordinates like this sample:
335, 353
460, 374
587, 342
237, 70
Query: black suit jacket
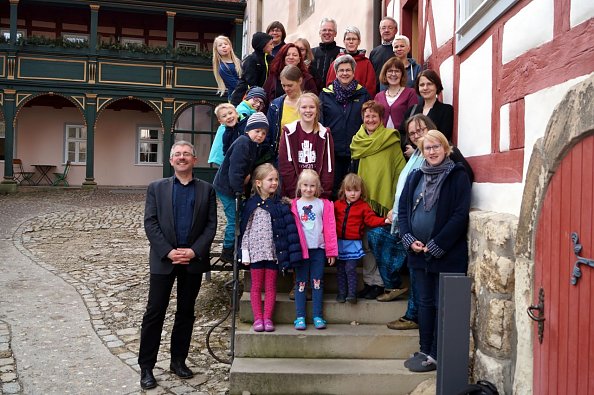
160, 228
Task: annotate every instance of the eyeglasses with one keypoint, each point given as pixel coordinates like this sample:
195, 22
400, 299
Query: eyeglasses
327, 31
418, 132
344, 71
430, 148
184, 154
351, 39
396, 71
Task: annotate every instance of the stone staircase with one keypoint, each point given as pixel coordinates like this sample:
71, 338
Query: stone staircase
356, 354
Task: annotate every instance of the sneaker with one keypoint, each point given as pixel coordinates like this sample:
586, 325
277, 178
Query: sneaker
392, 294
428, 364
319, 323
363, 292
402, 323
340, 298
351, 299
300, 324
258, 326
269, 326
374, 292
227, 255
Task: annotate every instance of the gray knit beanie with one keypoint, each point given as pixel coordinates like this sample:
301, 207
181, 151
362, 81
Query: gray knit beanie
256, 121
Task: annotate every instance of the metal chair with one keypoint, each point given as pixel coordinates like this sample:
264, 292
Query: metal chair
60, 178
20, 175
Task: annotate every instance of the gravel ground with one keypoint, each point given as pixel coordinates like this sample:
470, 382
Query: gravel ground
95, 241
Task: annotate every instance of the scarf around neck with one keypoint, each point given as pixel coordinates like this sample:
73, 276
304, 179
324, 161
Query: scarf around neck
344, 93
433, 177
380, 164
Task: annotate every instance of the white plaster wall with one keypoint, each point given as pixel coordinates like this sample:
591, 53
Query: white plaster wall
531, 27
443, 14
474, 112
393, 10
539, 108
446, 72
357, 13
501, 198
115, 149
581, 11
427, 51
504, 131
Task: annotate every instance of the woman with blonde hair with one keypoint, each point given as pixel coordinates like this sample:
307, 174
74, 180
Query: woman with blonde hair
226, 66
308, 59
306, 144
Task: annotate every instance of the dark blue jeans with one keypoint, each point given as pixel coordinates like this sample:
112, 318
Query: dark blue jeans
412, 308
312, 270
346, 273
389, 255
428, 288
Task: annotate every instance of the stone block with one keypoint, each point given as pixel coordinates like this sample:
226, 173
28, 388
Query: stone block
497, 371
496, 273
494, 326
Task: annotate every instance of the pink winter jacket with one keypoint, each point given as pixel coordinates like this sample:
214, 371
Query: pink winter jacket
329, 224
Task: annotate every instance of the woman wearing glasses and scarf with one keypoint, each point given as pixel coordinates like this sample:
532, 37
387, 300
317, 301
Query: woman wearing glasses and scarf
433, 221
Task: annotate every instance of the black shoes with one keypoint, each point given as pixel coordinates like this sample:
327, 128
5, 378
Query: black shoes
374, 292
227, 255
180, 369
147, 380
364, 291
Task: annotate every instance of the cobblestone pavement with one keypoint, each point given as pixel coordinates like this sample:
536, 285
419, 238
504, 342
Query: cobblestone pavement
95, 242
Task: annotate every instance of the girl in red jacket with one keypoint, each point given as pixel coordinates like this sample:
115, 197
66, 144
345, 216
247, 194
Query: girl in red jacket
352, 215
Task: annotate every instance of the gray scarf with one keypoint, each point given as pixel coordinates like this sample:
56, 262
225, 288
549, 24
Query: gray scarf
433, 177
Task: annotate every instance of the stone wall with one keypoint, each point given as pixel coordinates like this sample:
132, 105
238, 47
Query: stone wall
492, 237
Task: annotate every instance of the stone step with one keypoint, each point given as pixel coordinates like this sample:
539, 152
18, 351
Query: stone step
338, 341
284, 283
364, 312
323, 376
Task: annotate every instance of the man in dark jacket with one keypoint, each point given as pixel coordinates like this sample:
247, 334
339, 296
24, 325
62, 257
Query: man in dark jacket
255, 66
379, 55
325, 54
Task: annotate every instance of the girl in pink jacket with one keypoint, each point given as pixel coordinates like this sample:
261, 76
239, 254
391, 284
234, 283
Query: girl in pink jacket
317, 233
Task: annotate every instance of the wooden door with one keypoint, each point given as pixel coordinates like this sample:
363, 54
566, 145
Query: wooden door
564, 362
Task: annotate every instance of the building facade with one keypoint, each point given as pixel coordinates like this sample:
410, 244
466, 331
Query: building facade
520, 76
108, 85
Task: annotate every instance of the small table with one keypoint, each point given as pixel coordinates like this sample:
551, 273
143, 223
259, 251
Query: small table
43, 171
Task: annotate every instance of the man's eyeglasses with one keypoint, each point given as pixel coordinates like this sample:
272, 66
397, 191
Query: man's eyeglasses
184, 154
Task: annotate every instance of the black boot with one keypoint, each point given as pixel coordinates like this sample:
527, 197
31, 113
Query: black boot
227, 255
147, 380
179, 368
362, 293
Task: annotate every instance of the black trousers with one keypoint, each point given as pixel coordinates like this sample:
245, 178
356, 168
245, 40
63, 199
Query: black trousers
188, 285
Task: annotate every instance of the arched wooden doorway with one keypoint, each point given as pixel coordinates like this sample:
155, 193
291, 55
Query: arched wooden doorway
563, 361
558, 201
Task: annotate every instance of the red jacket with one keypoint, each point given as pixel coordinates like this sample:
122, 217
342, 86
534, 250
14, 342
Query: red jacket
364, 72
351, 219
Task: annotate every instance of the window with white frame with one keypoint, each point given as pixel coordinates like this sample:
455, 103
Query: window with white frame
150, 145
475, 16
75, 37
186, 45
76, 144
132, 41
6, 34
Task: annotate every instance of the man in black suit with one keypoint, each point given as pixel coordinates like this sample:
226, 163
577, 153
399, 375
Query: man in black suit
180, 221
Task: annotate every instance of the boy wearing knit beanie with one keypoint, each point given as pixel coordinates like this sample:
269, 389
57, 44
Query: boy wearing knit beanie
234, 174
255, 66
